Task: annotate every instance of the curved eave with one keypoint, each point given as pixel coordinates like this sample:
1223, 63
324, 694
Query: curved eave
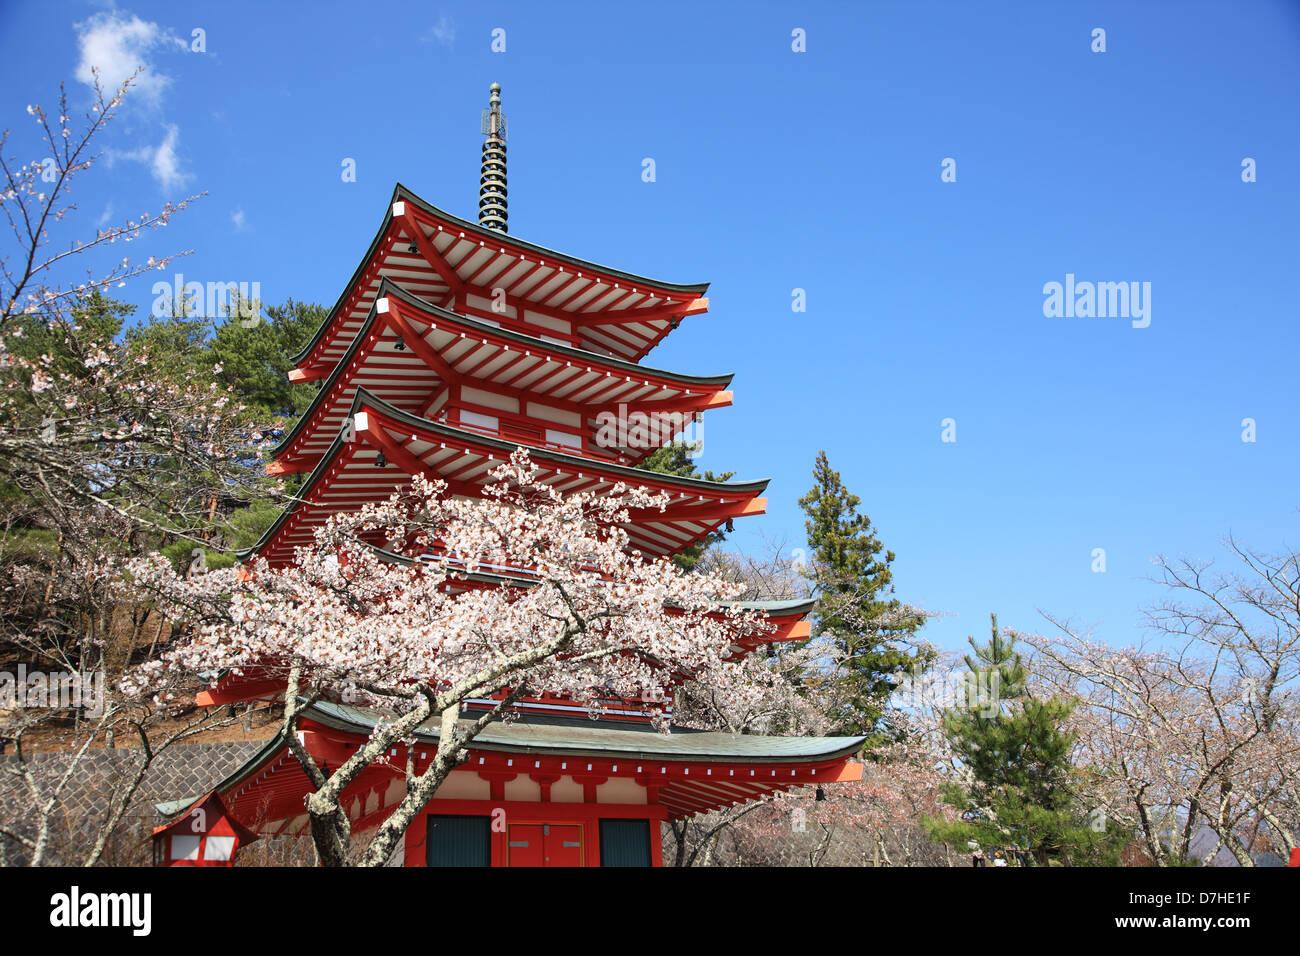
603, 739
633, 476
797, 606
389, 286
322, 466
402, 194
692, 771
171, 809
528, 342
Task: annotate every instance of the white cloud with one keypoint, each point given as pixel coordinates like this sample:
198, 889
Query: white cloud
237, 217
165, 165
117, 45
162, 160
444, 31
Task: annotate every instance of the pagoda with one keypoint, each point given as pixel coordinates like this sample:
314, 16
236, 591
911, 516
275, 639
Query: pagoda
452, 345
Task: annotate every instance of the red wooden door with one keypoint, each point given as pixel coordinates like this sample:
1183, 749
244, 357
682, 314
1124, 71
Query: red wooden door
526, 845
564, 846
545, 844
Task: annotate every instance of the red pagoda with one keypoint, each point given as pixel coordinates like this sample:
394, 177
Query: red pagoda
451, 346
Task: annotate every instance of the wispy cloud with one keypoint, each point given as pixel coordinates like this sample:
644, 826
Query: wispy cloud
444, 31
163, 161
237, 217
166, 165
118, 44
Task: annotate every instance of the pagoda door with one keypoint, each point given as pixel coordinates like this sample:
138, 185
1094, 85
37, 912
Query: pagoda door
564, 846
545, 844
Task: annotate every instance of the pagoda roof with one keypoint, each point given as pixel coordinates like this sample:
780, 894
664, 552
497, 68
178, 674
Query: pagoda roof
348, 476
605, 309
695, 771
590, 738
457, 347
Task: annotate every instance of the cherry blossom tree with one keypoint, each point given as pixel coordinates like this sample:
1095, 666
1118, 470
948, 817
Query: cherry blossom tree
1202, 731
584, 616
87, 422
108, 445
875, 820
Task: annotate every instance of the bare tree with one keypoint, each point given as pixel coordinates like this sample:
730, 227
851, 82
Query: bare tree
1202, 731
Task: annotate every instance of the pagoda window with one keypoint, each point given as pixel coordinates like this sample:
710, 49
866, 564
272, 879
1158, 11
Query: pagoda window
558, 415
563, 439
559, 326
476, 420
625, 843
438, 404
493, 400
458, 841
532, 323
479, 305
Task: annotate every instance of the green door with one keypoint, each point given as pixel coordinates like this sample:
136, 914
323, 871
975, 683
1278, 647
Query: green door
458, 841
624, 842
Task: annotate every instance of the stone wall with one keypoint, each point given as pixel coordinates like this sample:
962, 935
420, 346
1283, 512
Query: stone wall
100, 775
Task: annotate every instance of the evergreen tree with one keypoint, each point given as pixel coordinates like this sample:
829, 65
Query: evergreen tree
98, 316
850, 570
246, 357
1017, 751
254, 354
116, 474
249, 353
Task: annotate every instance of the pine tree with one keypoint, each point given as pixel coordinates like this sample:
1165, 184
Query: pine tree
254, 355
1017, 751
850, 570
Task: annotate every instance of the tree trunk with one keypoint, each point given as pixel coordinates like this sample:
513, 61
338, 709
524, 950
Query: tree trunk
331, 831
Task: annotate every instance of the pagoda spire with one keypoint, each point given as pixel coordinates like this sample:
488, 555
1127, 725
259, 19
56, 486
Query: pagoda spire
492, 179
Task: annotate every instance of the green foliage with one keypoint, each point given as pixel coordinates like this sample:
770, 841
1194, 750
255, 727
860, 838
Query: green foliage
254, 356
249, 354
1029, 833
856, 608
675, 459
248, 357
174, 344
1017, 751
31, 336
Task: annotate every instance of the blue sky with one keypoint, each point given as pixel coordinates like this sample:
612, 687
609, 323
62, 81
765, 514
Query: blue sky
818, 170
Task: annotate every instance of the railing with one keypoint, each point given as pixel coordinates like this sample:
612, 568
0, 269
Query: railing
537, 439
